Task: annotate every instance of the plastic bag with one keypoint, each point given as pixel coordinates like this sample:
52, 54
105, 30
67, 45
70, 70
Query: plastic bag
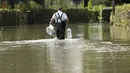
50, 30
69, 33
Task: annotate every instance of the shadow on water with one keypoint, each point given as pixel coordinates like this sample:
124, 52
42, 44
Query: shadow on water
29, 49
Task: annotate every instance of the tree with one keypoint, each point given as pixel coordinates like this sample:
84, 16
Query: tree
12, 2
126, 1
76, 2
86, 3
41, 2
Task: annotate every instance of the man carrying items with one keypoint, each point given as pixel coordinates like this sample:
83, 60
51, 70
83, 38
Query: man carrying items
59, 19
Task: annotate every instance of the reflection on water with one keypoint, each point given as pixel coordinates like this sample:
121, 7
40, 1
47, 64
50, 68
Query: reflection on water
65, 56
98, 31
92, 31
41, 56
95, 31
120, 33
29, 49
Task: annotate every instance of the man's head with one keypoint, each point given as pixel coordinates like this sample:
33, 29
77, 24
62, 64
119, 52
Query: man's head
60, 9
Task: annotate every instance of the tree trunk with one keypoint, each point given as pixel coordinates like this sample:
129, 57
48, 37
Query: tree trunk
12, 4
86, 3
113, 7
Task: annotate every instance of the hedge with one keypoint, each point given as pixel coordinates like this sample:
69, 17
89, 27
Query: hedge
75, 16
11, 17
42, 16
122, 16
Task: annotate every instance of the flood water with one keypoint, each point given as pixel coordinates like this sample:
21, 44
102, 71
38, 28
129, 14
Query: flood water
29, 49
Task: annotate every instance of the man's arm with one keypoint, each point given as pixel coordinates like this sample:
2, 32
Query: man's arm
52, 19
66, 18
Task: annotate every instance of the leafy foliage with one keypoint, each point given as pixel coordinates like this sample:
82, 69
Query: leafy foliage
96, 8
76, 1
101, 2
122, 16
22, 6
33, 4
66, 4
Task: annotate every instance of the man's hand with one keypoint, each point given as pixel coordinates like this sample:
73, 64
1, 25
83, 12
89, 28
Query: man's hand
67, 20
51, 21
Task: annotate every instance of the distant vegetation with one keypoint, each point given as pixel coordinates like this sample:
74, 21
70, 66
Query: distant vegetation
94, 7
58, 3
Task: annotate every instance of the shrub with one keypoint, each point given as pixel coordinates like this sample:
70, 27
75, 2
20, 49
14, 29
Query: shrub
32, 5
101, 2
122, 16
66, 4
96, 8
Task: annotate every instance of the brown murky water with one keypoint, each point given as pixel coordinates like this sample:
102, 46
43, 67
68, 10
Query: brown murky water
29, 49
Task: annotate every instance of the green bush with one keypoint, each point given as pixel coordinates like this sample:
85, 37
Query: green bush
100, 2
122, 16
32, 5
96, 8
66, 4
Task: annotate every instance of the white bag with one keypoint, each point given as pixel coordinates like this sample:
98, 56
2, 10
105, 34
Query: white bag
69, 33
50, 30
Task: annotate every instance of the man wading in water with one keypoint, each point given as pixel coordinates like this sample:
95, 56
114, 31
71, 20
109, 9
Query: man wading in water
59, 19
